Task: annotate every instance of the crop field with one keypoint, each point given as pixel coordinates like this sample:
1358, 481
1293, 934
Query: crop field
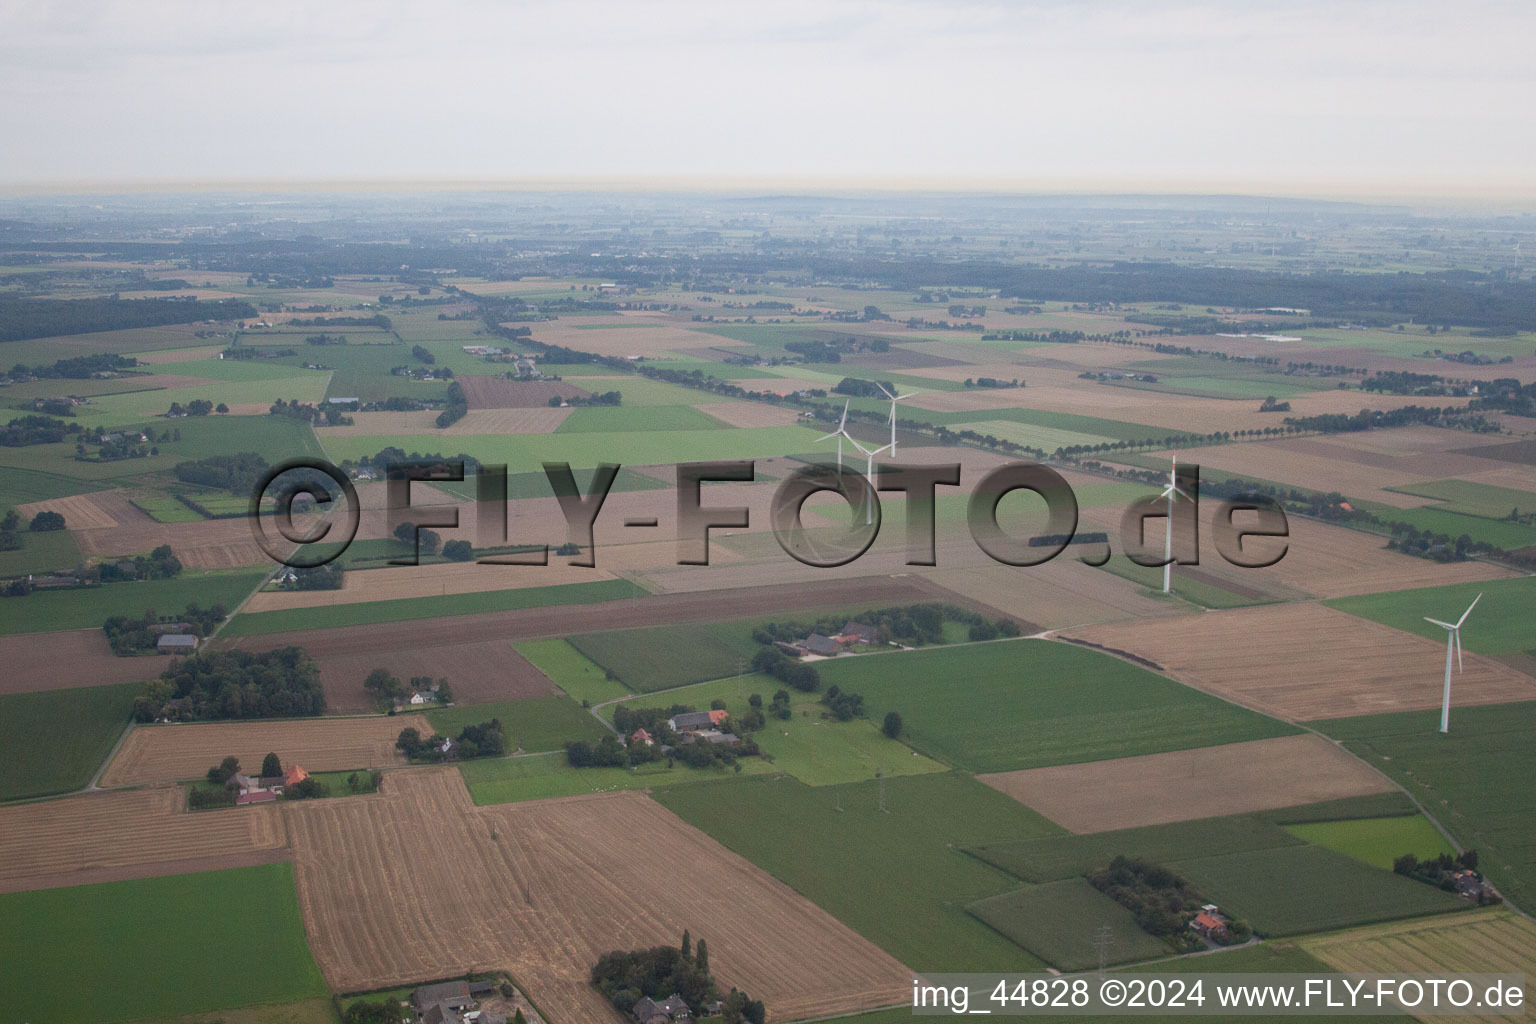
1475, 780
60, 738
1047, 439
665, 656
547, 879
1488, 941
40, 552
166, 753
443, 579
572, 671
974, 705
480, 672
1334, 665
306, 386
1183, 785
619, 419
1336, 891
1473, 499
62, 842
1501, 534
811, 745
67, 659
1501, 623
87, 608
499, 393
1376, 841
1194, 585
1060, 922
412, 608
534, 724
87, 958
18, 486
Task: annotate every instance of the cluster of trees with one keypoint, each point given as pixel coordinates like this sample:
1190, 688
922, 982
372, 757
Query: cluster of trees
236, 473
380, 322
773, 662
913, 625
387, 689
428, 542
330, 576
130, 636
1438, 871
993, 382
1162, 901
422, 354
159, 564
10, 536
624, 978
844, 706
456, 407
196, 407
1273, 404
21, 318
483, 739
77, 367
859, 388
284, 683
605, 398
32, 429
327, 416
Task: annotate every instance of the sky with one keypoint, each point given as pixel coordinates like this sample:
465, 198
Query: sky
1293, 96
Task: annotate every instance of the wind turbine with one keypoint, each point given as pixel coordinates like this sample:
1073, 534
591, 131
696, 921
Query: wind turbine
894, 399
869, 457
1169, 492
839, 433
1452, 639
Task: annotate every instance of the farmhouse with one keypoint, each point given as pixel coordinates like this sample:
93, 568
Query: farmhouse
176, 643
641, 736
858, 633
649, 1011
691, 721
1210, 923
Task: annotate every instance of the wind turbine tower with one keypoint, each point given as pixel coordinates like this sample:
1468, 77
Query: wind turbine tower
894, 399
1452, 639
1170, 492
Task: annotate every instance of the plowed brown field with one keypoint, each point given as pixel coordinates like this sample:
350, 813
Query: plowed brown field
1187, 784
127, 833
479, 673
500, 393
1305, 662
419, 883
165, 753
66, 659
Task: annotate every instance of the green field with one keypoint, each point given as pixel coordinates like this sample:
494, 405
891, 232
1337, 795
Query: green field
89, 607
536, 724
1047, 439
616, 419
1501, 623
1475, 780
1030, 703
818, 751
1202, 592
1376, 841
19, 486
1060, 923
406, 609
897, 877
306, 386
536, 484
659, 657
571, 670
1473, 499
523, 453
1293, 890
40, 552
1506, 535
155, 947
513, 779
59, 737
163, 508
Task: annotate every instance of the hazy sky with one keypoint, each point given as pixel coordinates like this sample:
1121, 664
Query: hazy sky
1256, 93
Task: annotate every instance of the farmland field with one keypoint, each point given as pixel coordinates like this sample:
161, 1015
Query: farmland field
1060, 923
59, 738
1263, 886
40, 552
1475, 780
1500, 624
898, 878
66, 659
547, 877
1376, 841
96, 934
165, 753
1030, 703
665, 656
535, 724
87, 608
572, 671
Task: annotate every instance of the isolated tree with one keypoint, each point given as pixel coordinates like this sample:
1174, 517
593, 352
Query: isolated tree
271, 767
892, 724
47, 522
687, 945
221, 408
224, 770
458, 551
701, 960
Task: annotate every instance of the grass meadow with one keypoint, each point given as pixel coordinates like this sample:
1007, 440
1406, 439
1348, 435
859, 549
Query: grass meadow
1059, 923
1501, 623
60, 737
572, 671
89, 607
1376, 841
536, 724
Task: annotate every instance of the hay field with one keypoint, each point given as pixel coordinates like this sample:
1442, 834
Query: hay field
166, 753
1184, 785
1305, 661
1484, 941
750, 414
128, 834
80, 511
550, 885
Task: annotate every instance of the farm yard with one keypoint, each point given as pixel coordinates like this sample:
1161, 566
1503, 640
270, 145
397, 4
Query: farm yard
544, 883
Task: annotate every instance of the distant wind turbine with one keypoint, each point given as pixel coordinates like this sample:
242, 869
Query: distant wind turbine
1452, 639
894, 399
839, 433
869, 459
1170, 492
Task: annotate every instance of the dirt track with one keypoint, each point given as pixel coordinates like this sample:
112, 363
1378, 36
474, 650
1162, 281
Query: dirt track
1187, 784
419, 883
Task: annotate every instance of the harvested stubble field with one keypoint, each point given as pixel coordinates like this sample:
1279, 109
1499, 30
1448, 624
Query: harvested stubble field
166, 753
750, 414
1184, 785
1491, 941
500, 393
211, 544
67, 659
99, 837
397, 582
552, 885
1305, 662
80, 511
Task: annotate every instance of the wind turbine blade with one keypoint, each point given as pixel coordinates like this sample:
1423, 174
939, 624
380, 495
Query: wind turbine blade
1464, 614
884, 392
828, 437
1442, 625
1457, 634
844, 421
